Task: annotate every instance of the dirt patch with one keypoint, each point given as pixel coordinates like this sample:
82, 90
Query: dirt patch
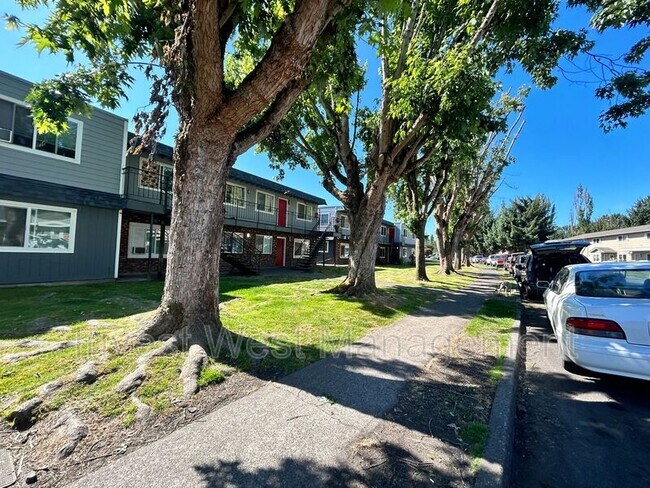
423, 441
36, 451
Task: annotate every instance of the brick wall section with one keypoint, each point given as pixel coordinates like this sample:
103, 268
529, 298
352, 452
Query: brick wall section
139, 265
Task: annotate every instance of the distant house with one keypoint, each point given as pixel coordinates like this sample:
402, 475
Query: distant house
626, 244
60, 196
404, 242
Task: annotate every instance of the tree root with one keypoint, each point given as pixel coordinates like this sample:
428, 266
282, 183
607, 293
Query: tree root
72, 431
133, 380
49, 347
196, 360
22, 416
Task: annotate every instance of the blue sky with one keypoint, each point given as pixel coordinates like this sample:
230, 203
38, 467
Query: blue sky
562, 144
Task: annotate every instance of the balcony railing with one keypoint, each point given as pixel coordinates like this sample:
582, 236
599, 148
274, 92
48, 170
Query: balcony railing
148, 186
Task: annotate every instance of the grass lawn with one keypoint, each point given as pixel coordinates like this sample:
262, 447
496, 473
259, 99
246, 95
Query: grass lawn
286, 312
493, 322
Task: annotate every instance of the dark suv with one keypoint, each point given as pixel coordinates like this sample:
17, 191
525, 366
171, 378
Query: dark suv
544, 262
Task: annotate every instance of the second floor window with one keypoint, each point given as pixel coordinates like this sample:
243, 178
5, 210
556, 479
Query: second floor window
622, 238
382, 230
264, 202
235, 195
304, 211
155, 175
344, 222
324, 219
17, 128
405, 232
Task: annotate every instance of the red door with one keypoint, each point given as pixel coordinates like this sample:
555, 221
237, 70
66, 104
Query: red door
282, 212
391, 234
279, 252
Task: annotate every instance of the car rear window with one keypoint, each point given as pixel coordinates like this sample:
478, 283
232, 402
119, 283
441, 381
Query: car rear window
612, 283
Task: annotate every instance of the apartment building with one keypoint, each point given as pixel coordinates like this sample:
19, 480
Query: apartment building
404, 243
334, 222
626, 244
76, 207
267, 224
59, 195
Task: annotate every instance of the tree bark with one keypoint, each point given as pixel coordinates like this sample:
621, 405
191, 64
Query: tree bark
466, 256
365, 222
445, 250
420, 244
189, 307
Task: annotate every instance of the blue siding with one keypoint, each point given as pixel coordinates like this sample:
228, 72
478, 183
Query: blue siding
93, 257
101, 150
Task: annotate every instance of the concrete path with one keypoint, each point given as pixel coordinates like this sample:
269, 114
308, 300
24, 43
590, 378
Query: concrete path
294, 432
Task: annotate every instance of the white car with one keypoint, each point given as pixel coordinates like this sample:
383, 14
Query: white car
600, 314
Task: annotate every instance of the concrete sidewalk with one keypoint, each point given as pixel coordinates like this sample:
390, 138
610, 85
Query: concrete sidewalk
294, 432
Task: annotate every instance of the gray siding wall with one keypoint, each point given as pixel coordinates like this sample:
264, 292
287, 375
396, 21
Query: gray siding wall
101, 150
93, 257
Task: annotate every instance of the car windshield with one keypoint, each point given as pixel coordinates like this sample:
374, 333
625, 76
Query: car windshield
613, 283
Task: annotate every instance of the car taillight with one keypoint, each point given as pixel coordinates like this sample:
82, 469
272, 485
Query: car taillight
595, 327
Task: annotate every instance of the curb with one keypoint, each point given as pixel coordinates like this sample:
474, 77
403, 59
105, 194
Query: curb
495, 467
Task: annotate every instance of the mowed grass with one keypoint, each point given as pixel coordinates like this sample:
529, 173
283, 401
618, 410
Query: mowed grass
287, 312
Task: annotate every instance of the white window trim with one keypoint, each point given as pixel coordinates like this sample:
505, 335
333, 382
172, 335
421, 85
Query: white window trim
293, 250
347, 220
257, 193
621, 238
347, 254
382, 252
310, 213
144, 226
240, 235
270, 253
33, 150
159, 163
42, 250
235, 204
326, 248
320, 222
383, 231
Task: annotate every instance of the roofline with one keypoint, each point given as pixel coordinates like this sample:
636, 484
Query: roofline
11, 75
613, 232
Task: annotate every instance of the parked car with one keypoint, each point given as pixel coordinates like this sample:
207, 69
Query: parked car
489, 260
499, 260
511, 261
476, 259
544, 262
600, 314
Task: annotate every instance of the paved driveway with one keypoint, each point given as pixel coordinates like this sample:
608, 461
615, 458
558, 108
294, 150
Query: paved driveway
577, 430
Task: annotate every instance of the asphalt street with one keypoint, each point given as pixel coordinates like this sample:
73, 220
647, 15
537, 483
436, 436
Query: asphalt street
577, 430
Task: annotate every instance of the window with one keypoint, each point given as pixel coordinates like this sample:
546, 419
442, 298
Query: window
621, 238
264, 244
155, 175
301, 248
622, 257
264, 202
382, 230
235, 195
382, 252
26, 227
325, 248
595, 241
405, 232
304, 211
647, 236
345, 223
232, 243
141, 238
613, 283
345, 250
324, 219
17, 129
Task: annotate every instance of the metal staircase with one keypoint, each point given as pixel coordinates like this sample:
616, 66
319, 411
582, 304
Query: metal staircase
247, 261
308, 263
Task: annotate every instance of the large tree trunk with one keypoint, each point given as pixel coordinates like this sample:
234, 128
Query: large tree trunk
365, 222
189, 308
444, 249
420, 262
466, 256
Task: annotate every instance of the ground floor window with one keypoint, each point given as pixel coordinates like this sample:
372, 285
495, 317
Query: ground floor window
264, 244
382, 252
141, 238
595, 258
325, 248
232, 243
622, 257
301, 248
405, 252
36, 228
345, 250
